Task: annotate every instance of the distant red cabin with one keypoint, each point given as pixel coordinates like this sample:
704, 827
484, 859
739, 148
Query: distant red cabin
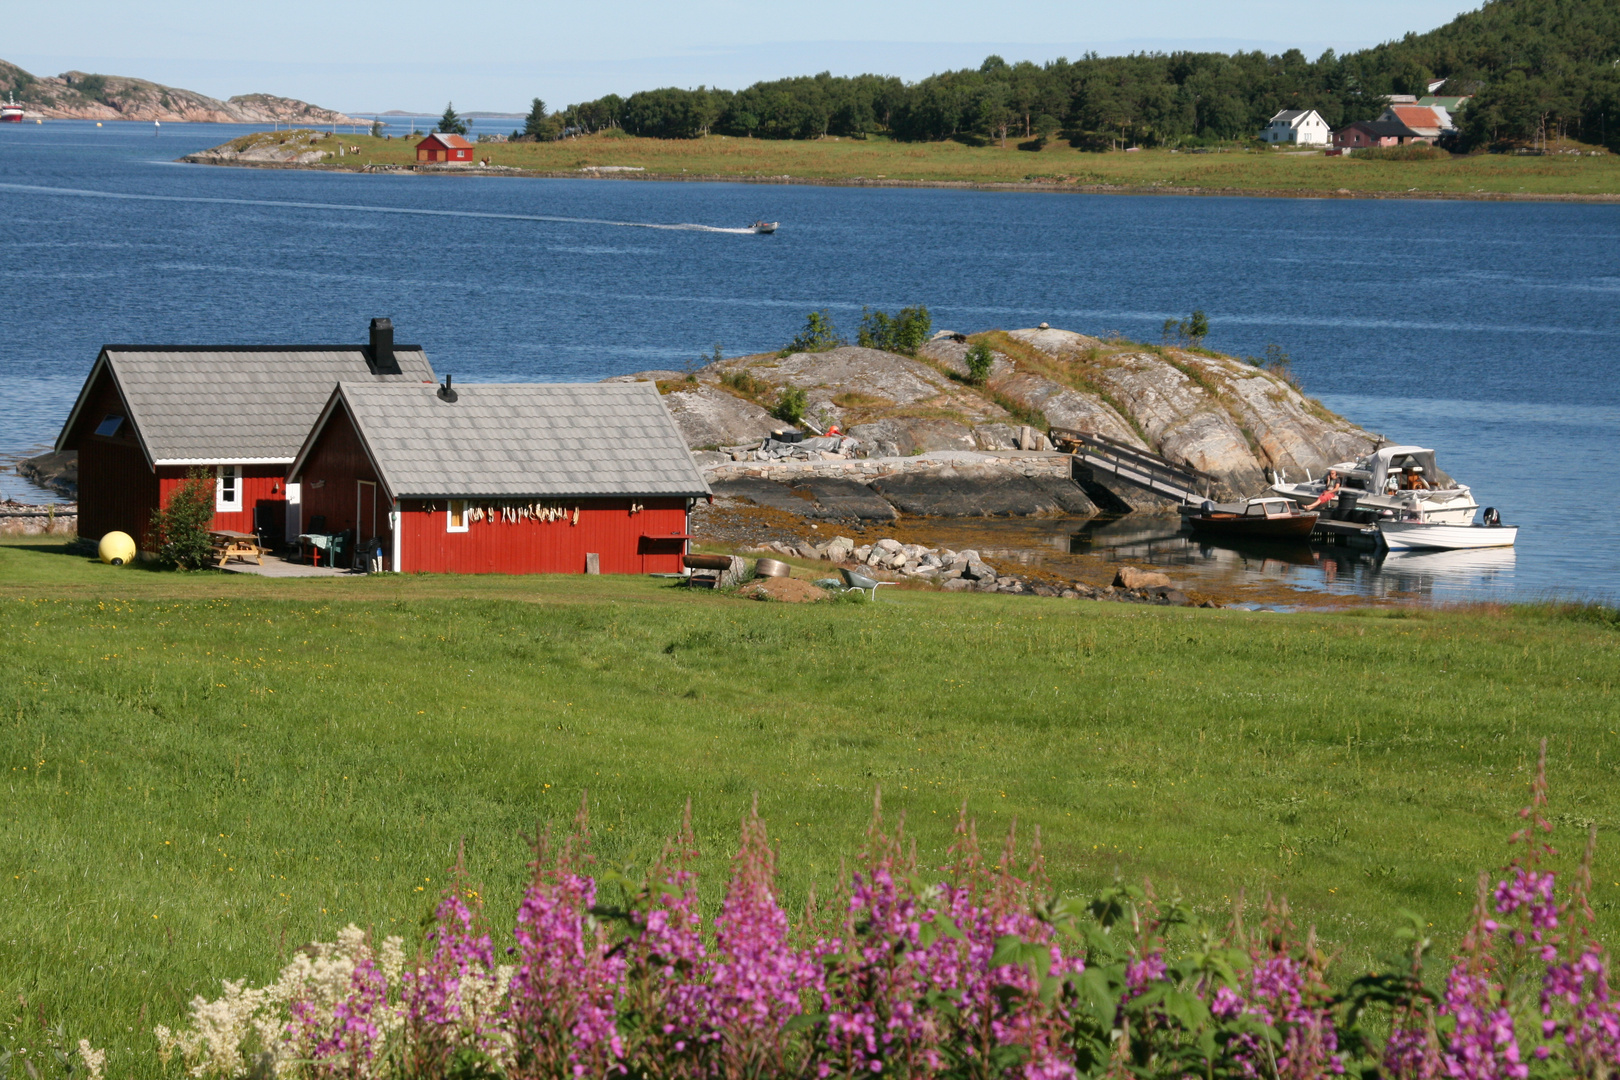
150, 414
531, 478
441, 146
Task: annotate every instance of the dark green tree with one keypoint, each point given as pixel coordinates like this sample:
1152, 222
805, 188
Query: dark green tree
450, 123
535, 125
791, 402
181, 527
903, 333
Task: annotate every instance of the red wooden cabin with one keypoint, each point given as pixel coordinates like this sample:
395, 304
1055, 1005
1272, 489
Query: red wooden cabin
443, 146
149, 414
530, 478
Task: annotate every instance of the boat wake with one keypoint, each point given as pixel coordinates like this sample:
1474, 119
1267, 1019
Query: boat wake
86, 193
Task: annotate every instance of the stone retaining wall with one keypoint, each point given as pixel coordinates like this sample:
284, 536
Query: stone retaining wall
40, 521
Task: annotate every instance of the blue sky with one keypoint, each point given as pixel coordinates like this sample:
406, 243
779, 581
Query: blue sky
497, 54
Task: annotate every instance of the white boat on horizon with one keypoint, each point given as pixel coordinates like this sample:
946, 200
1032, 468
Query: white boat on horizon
764, 227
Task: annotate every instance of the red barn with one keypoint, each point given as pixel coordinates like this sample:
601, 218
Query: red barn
148, 414
444, 146
527, 478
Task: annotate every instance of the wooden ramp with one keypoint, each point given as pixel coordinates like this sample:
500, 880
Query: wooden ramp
1139, 468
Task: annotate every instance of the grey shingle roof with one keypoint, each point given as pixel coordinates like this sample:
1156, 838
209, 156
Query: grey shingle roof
516, 439
225, 404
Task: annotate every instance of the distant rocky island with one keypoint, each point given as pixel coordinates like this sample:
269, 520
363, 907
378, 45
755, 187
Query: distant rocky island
77, 95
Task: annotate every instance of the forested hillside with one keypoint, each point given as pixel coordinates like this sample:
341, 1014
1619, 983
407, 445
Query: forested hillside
1536, 66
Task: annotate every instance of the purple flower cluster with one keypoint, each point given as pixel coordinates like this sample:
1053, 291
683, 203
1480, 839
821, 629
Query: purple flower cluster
970, 972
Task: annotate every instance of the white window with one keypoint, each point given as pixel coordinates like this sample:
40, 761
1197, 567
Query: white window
228, 489
455, 517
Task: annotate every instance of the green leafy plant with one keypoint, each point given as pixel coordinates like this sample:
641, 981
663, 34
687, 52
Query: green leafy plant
746, 385
790, 404
979, 359
818, 335
180, 528
903, 333
1189, 331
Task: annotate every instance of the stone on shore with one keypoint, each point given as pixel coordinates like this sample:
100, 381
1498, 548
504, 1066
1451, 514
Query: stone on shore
1131, 577
708, 416
982, 491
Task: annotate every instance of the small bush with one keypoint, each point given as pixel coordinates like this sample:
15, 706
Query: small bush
181, 528
790, 404
1189, 331
979, 359
746, 385
818, 335
903, 333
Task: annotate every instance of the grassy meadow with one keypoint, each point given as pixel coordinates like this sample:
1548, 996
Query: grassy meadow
1056, 163
205, 771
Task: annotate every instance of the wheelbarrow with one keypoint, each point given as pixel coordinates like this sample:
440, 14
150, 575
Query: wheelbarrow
853, 580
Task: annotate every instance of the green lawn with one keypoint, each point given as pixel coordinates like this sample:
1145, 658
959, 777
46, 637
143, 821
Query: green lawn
1057, 163
205, 771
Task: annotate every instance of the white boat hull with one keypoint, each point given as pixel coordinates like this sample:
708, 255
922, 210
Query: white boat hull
1409, 535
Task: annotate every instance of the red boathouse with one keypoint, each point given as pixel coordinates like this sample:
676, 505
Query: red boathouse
527, 478
444, 146
149, 414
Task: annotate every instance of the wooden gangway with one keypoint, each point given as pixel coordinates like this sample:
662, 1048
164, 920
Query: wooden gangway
1139, 468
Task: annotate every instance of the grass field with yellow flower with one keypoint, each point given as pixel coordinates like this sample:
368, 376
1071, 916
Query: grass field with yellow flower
204, 771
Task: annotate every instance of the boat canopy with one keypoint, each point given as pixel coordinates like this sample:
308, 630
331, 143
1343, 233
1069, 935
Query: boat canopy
1392, 460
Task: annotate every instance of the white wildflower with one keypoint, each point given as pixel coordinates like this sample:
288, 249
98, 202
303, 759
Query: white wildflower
93, 1059
392, 960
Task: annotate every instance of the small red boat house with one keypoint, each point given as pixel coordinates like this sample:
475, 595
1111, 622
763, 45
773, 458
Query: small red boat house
517, 478
443, 146
149, 414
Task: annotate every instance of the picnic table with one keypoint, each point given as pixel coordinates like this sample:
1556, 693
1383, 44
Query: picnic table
230, 544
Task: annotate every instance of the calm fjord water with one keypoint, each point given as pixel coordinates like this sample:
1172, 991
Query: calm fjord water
1486, 330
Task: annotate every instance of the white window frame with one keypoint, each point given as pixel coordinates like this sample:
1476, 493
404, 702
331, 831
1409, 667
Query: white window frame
222, 505
450, 515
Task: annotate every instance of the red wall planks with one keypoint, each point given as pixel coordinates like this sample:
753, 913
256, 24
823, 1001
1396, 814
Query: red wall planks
330, 481
264, 488
495, 546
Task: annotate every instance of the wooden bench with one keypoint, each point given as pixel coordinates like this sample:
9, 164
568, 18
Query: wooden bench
230, 544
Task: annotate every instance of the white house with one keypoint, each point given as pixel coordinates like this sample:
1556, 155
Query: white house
1303, 127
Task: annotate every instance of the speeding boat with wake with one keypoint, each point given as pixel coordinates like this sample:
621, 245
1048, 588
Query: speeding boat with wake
764, 227
1393, 482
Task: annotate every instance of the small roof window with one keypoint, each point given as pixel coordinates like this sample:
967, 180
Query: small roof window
109, 425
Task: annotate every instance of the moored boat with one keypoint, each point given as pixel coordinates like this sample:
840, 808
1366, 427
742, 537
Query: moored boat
10, 111
1391, 482
1432, 535
1256, 519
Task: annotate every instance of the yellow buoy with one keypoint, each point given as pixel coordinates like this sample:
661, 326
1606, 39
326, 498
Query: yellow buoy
98, 123
116, 549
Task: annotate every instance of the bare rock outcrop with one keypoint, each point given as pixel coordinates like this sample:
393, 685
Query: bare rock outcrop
708, 416
83, 96
1066, 407
902, 436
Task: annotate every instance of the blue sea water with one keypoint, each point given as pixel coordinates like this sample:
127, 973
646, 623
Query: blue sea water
1487, 330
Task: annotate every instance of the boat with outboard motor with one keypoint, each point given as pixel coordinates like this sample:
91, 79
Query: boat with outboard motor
764, 227
1391, 483
1253, 519
1413, 533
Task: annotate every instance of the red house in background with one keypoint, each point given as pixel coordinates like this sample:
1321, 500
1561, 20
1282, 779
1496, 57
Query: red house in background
149, 414
443, 146
513, 478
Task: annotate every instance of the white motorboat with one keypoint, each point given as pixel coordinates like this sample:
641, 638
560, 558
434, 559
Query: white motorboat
1413, 533
1394, 482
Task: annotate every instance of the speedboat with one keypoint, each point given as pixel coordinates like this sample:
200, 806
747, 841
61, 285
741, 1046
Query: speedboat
1401, 535
764, 226
1394, 482
1255, 519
